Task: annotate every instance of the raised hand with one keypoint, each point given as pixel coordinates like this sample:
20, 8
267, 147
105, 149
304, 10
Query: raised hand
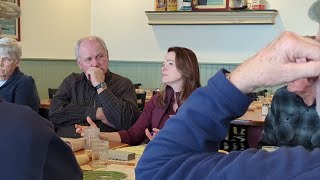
95, 75
152, 134
80, 129
276, 64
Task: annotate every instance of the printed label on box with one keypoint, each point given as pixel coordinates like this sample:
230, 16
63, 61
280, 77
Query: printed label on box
171, 5
258, 4
160, 5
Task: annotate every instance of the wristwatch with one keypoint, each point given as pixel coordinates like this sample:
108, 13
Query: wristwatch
101, 85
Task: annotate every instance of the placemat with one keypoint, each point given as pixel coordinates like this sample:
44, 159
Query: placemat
110, 175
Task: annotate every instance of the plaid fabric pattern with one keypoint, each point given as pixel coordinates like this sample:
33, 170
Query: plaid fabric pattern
290, 122
76, 99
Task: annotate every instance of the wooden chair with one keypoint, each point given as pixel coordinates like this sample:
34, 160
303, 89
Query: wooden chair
254, 95
141, 99
137, 85
236, 139
155, 91
51, 92
44, 112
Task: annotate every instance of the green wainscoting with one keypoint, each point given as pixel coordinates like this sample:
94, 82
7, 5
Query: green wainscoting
50, 72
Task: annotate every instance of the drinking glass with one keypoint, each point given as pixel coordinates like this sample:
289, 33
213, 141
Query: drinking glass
90, 134
100, 153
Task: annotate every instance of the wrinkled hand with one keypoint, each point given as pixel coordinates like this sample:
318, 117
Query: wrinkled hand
80, 129
153, 134
276, 64
95, 75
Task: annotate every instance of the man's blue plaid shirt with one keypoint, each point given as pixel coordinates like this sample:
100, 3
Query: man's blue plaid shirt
290, 122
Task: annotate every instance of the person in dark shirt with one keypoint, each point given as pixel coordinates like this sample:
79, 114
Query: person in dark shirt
109, 99
293, 118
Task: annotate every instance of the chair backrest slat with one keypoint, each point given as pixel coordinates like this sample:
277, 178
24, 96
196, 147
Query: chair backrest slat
141, 99
51, 92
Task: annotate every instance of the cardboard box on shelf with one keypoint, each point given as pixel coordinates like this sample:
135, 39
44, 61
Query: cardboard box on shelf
171, 5
160, 5
258, 4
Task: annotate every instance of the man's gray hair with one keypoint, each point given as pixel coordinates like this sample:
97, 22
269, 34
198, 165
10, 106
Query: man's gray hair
90, 38
10, 47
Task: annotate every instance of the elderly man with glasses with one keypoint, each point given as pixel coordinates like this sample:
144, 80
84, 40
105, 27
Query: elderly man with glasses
107, 98
15, 87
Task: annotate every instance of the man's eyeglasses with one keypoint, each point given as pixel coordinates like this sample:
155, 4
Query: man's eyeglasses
6, 61
98, 58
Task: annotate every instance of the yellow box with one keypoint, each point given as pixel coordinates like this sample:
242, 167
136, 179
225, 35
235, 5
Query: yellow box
171, 5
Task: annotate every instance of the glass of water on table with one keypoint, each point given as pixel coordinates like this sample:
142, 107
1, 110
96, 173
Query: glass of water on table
100, 153
90, 135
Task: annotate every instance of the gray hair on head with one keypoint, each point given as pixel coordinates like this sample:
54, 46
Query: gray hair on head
89, 38
10, 47
314, 11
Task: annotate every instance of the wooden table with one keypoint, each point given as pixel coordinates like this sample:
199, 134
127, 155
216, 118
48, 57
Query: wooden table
116, 145
112, 145
250, 118
45, 103
126, 167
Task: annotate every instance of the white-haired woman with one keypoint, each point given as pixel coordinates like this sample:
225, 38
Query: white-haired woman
15, 87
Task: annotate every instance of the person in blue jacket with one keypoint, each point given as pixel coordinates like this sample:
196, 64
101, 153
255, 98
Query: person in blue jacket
187, 146
15, 86
30, 148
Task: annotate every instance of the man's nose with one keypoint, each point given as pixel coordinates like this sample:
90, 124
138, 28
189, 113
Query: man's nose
95, 63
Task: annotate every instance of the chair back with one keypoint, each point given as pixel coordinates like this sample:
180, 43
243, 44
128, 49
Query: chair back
137, 86
51, 92
255, 95
155, 91
141, 99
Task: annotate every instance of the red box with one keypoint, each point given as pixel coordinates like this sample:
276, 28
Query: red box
258, 4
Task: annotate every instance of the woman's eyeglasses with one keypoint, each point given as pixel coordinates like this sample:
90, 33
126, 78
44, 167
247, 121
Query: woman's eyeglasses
6, 61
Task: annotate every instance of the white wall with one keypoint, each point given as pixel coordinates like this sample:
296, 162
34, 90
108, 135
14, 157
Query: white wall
124, 26
50, 28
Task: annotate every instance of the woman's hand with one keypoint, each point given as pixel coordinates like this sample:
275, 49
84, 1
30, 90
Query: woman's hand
152, 134
80, 129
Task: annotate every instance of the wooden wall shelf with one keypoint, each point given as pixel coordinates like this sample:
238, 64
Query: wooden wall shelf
211, 17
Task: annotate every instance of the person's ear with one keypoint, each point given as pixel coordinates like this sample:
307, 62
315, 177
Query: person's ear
79, 63
107, 54
312, 80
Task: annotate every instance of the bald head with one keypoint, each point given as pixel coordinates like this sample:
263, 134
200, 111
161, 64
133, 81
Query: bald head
89, 38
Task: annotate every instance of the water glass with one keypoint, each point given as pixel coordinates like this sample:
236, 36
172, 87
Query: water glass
100, 153
90, 134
